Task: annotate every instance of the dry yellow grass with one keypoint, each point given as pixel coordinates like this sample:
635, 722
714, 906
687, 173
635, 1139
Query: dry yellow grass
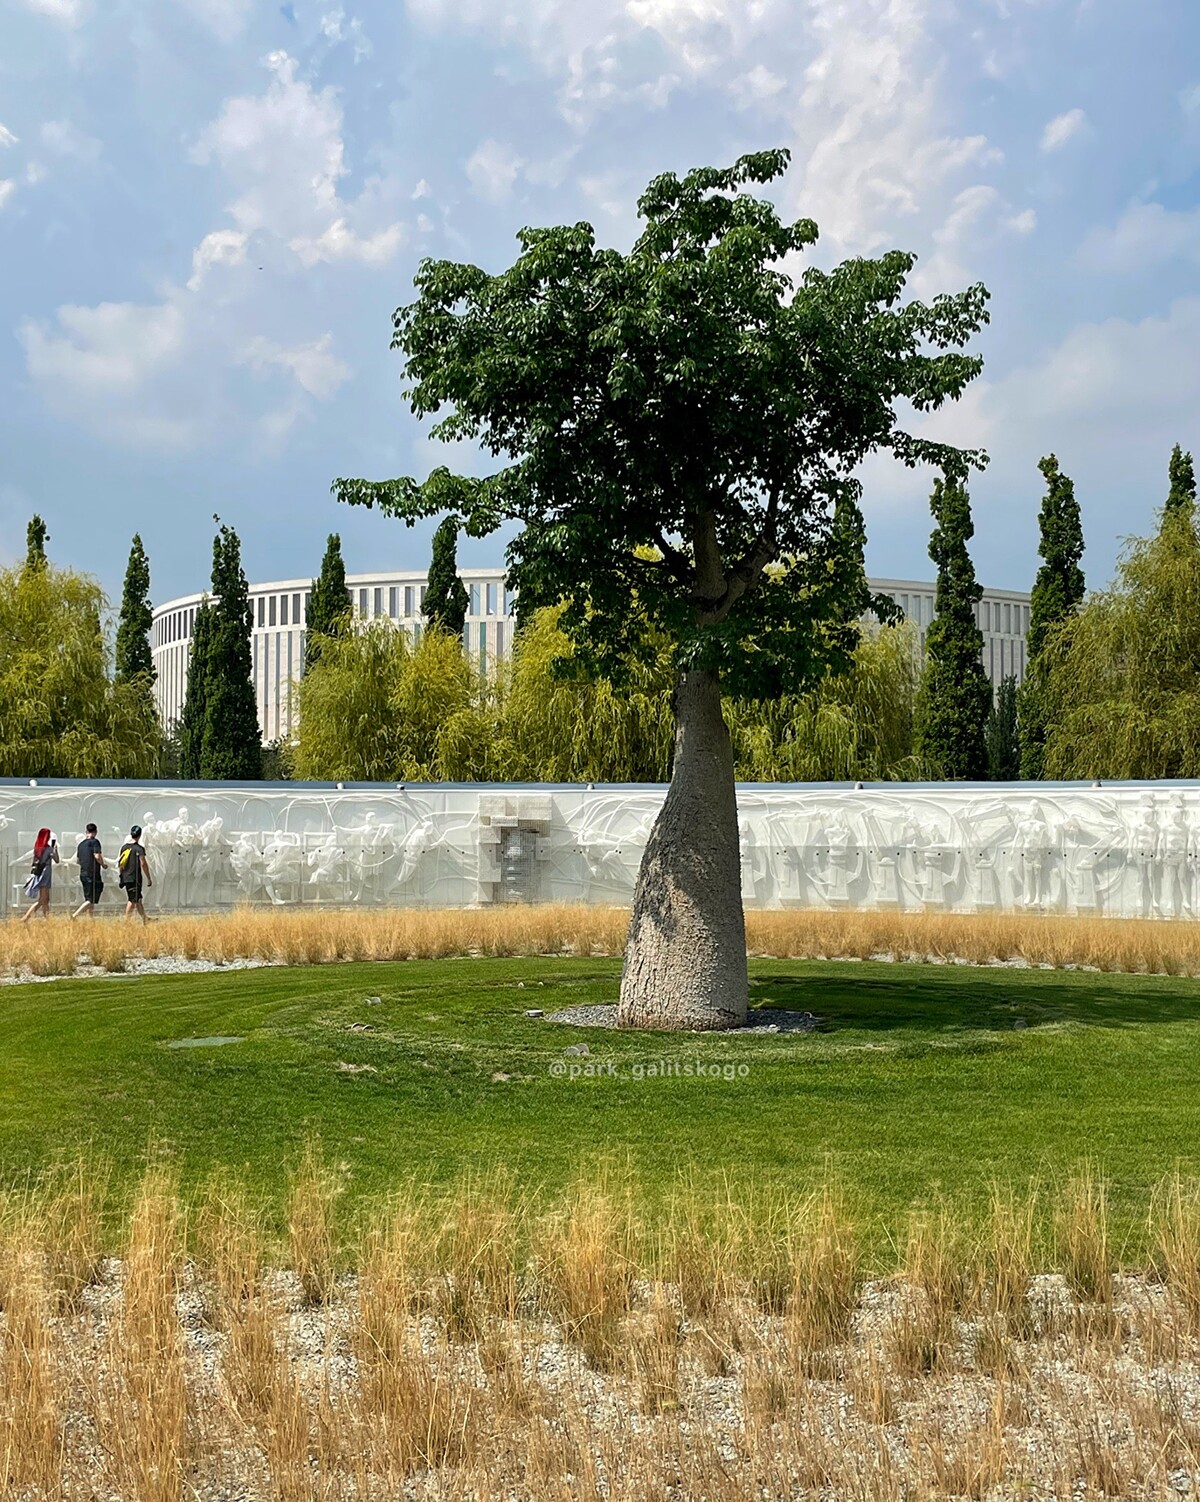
583, 1374
59, 947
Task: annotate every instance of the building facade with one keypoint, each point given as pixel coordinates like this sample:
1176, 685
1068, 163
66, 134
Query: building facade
280, 615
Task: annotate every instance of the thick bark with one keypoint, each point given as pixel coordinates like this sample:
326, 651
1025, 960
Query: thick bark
685, 958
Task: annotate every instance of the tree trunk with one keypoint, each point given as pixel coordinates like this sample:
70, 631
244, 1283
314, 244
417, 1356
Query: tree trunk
685, 958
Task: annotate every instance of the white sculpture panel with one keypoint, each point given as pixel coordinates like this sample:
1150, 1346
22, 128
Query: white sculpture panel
1124, 850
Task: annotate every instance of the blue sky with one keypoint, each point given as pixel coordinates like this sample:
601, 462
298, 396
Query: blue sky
209, 209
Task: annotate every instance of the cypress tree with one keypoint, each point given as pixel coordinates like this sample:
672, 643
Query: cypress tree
1057, 594
190, 730
446, 597
134, 660
329, 604
1003, 744
1182, 474
36, 538
955, 695
232, 747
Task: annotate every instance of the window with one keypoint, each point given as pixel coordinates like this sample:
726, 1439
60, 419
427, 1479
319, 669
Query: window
491, 599
483, 646
466, 637
283, 610
474, 610
393, 602
1007, 619
509, 600
378, 603
499, 638
271, 611
295, 610
424, 587
262, 609
416, 633
408, 599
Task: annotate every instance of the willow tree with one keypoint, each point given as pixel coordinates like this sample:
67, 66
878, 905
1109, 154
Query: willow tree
673, 423
61, 712
1123, 675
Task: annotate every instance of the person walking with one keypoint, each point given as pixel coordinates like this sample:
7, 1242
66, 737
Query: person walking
41, 873
91, 864
134, 869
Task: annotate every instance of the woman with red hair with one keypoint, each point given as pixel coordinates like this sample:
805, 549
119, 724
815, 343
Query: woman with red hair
45, 854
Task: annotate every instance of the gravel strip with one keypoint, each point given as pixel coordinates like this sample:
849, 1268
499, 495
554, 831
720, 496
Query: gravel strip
605, 1015
163, 964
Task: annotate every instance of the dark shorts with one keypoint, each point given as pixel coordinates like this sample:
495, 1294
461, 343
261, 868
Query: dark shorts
133, 892
93, 887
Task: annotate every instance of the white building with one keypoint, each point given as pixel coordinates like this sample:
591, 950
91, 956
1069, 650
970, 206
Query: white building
281, 612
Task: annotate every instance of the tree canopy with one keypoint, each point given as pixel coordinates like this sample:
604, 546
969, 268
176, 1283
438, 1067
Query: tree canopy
1122, 677
135, 661
955, 695
61, 713
329, 604
1058, 592
446, 598
678, 419
1181, 474
232, 746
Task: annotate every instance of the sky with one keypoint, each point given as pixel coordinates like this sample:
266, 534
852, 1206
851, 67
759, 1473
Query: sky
210, 208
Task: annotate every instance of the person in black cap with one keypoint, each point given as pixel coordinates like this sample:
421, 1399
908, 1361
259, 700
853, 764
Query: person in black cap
134, 868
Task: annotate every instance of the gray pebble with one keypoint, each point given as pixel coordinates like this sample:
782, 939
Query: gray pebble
535, 1012
577, 1049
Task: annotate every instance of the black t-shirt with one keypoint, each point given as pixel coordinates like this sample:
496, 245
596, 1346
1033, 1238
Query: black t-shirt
86, 855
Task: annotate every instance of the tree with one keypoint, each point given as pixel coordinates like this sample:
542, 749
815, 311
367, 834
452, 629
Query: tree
445, 594
135, 662
955, 695
1058, 593
192, 720
376, 709
36, 538
1182, 476
329, 604
1122, 677
673, 424
855, 725
1002, 736
61, 713
231, 750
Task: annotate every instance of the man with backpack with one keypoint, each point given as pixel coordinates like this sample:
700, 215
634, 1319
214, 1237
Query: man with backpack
134, 868
91, 865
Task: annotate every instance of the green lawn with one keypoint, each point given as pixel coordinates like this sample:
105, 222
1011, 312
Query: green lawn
918, 1078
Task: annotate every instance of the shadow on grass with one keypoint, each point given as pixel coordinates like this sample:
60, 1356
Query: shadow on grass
958, 999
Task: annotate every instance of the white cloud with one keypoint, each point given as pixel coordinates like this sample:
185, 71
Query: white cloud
7, 188
67, 12
314, 367
225, 18
65, 139
493, 169
422, 190
757, 87
340, 243
1145, 235
1062, 128
1023, 223
224, 247
336, 28
282, 151
113, 368
6, 136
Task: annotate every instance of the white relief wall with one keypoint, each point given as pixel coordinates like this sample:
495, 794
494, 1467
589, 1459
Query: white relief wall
1122, 850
